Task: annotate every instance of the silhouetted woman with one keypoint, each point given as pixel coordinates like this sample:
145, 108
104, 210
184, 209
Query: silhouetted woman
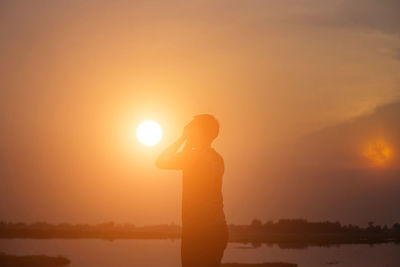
204, 229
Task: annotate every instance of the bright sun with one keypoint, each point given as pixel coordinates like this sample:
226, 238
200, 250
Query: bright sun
149, 133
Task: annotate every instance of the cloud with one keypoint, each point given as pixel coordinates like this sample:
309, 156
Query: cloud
397, 53
344, 145
362, 14
327, 176
381, 15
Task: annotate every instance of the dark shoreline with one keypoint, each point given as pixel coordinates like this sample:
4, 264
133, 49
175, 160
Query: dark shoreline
282, 240
287, 233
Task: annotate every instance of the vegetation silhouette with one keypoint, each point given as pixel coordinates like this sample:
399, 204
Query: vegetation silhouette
300, 233
287, 233
204, 228
108, 230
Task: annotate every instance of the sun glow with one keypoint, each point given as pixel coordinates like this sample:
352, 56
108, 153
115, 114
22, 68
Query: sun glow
149, 133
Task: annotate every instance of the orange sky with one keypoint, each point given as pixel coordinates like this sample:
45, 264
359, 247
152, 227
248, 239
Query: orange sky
295, 86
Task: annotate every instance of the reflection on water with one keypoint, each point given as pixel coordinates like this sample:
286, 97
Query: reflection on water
157, 253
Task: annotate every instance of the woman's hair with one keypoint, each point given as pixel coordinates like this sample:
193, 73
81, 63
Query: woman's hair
209, 125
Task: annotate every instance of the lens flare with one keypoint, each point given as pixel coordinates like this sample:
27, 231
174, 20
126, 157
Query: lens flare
378, 153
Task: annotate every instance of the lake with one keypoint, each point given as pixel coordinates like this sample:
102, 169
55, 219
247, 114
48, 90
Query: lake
157, 253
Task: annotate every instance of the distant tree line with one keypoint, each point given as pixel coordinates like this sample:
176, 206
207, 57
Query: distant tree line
283, 226
108, 230
302, 226
300, 233
283, 231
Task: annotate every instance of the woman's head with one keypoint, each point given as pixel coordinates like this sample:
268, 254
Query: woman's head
202, 130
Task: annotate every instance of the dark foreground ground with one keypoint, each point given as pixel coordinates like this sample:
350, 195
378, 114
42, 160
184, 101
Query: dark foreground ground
32, 261
270, 264
46, 261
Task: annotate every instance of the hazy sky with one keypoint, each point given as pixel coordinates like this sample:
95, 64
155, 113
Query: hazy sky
294, 84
